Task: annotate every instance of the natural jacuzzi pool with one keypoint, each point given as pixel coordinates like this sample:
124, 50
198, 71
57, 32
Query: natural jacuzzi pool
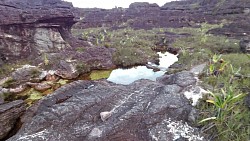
127, 76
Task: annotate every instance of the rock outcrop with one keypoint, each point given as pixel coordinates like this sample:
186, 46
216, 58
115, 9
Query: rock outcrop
102, 111
10, 113
173, 14
30, 28
37, 33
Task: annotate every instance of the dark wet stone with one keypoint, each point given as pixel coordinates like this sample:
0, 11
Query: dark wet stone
144, 110
9, 113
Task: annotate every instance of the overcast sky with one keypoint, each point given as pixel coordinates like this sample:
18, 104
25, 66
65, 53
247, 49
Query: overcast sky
108, 4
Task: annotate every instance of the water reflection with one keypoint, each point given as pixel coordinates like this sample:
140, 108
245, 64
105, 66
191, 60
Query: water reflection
127, 76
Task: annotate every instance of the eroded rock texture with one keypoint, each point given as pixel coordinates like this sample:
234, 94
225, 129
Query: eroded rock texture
9, 113
142, 111
29, 28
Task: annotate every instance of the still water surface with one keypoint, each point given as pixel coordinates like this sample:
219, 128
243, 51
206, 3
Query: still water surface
127, 76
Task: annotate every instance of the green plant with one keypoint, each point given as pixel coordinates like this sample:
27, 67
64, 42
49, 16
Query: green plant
224, 114
198, 47
45, 59
217, 65
223, 102
229, 116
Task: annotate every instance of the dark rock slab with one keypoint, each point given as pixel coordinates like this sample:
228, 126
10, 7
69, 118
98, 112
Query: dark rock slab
9, 113
103, 111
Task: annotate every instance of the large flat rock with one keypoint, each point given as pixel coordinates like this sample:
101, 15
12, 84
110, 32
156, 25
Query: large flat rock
102, 111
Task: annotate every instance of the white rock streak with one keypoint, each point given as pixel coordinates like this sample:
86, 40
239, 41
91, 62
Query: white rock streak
180, 129
40, 134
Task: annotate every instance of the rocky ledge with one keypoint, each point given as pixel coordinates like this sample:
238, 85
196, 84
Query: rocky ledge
100, 110
37, 32
10, 113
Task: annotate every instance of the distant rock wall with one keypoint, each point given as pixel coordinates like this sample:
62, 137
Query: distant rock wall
172, 14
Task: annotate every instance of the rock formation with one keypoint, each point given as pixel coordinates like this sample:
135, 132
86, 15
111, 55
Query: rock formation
30, 28
103, 111
37, 33
35, 38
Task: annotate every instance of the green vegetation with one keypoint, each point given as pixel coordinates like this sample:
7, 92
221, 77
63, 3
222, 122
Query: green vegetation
33, 96
100, 74
133, 47
199, 46
7, 68
224, 115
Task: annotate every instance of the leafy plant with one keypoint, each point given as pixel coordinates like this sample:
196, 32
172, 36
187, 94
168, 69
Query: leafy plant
223, 102
224, 111
217, 65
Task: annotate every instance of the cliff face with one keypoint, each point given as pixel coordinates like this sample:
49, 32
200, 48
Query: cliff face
172, 14
31, 27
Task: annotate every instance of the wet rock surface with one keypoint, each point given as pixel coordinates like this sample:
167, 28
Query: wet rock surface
9, 113
100, 110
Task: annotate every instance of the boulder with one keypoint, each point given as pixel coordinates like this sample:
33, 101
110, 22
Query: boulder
9, 114
102, 111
